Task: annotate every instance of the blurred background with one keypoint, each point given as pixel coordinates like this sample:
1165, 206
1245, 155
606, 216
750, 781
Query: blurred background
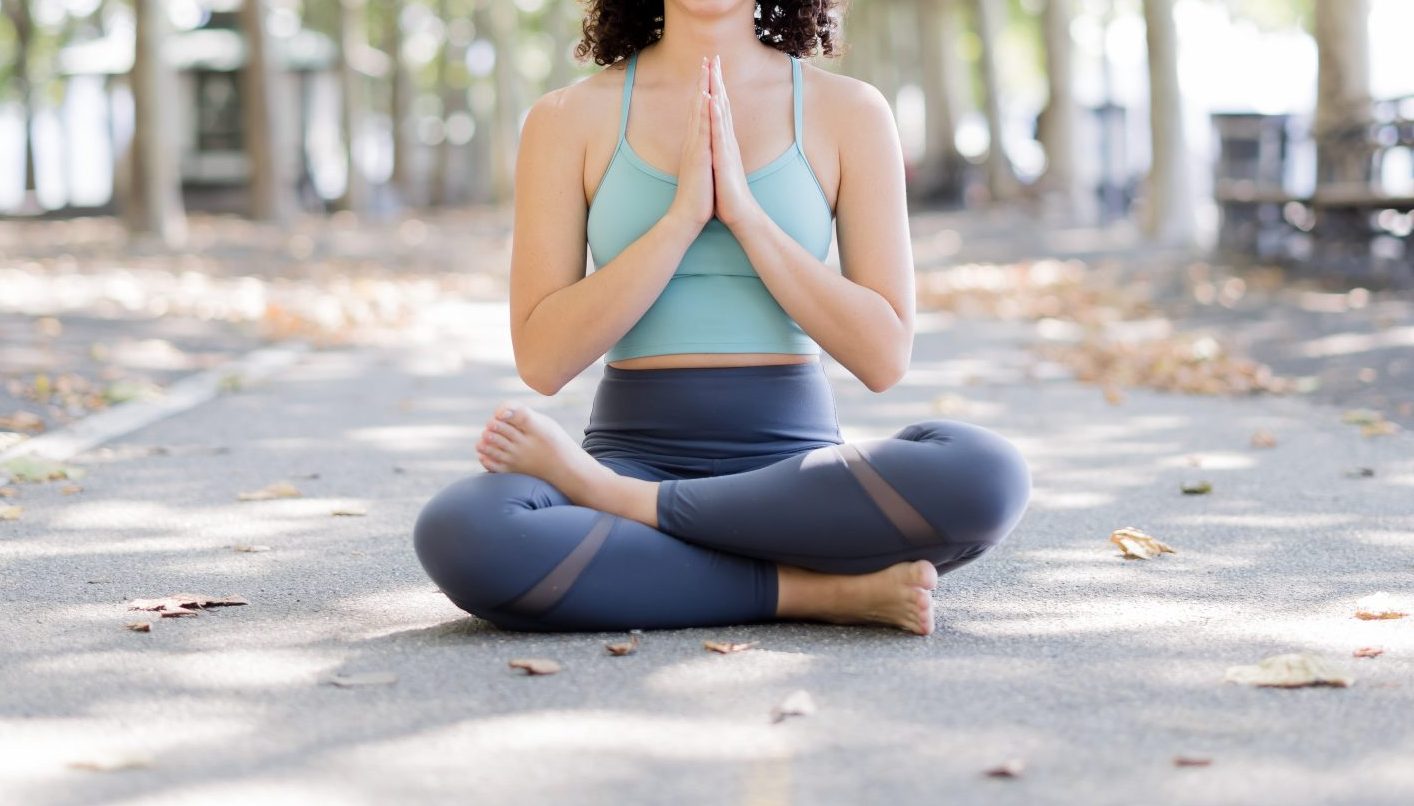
196, 176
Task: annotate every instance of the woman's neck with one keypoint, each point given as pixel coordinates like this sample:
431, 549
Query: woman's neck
687, 37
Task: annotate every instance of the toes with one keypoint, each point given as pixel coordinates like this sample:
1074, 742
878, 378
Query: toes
513, 413
925, 612
497, 440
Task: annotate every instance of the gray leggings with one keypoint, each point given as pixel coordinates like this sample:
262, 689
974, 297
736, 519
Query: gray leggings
753, 472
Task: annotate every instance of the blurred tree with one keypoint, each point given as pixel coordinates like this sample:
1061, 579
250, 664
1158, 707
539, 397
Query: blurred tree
271, 175
452, 84
943, 171
400, 92
352, 41
1061, 117
155, 205
500, 21
1342, 94
1168, 204
22, 21
1002, 183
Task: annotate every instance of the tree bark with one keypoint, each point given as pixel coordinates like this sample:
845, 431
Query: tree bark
1168, 210
943, 170
351, 42
23, 23
399, 103
453, 96
1060, 119
158, 180
1001, 178
271, 187
506, 129
1342, 92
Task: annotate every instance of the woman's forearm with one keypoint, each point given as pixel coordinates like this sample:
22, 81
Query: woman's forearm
572, 327
855, 324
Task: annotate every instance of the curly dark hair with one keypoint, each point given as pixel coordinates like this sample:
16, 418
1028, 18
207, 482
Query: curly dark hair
614, 29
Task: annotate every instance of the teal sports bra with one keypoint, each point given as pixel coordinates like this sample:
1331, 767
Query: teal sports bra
715, 301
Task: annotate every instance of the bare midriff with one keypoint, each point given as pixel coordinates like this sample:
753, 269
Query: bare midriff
710, 360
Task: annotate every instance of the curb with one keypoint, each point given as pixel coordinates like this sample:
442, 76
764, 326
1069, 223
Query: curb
125, 418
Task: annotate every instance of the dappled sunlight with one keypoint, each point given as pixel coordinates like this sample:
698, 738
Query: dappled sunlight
1349, 343
1210, 460
711, 673
389, 612
213, 668
1053, 498
1267, 520
417, 438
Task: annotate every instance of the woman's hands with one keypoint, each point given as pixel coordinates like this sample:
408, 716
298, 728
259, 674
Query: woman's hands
694, 197
733, 194
711, 178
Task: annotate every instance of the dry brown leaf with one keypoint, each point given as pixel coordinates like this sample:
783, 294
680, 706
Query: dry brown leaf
1380, 606
1369, 652
726, 647
22, 421
625, 647
1191, 761
112, 762
350, 512
797, 703
1383, 428
249, 548
1263, 439
1291, 670
362, 679
1361, 417
139, 626
11, 513
534, 666
280, 489
1011, 768
70, 489
1137, 545
184, 604
1113, 395
8, 492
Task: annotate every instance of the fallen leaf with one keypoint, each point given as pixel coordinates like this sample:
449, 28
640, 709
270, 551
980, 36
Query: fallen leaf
36, 469
184, 604
130, 389
1113, 395
249, 547
624, 648
139, 626
112, 762
1361, 417
1137, 545
280, 489
1291, 671
8, 492
1369, 652
1360, 473
362, 679
1011, 768
1191, 761
1379, 606
70, 489
1196, 487
22, 421
11, 513
350, 512
1383, 428
797, 703
727, 648
1263, 439
534, 666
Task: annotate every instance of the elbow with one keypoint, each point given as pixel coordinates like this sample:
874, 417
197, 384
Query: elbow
884, 374
539, 378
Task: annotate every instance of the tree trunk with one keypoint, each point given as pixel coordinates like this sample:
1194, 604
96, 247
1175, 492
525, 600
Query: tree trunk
1342, 93
506, 129
1001, 179
159, 190
942, 174
563, 19
271, 188
351, 43
23, 23
1060, 119
1168, 210
453, 96
400, 101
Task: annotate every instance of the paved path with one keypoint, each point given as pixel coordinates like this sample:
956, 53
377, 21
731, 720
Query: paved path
1094, 670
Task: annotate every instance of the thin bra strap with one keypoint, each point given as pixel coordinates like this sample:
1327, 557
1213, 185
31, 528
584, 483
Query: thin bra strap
628, 95
797, 91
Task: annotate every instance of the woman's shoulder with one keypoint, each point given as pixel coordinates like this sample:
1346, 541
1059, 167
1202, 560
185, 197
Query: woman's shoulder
582, 96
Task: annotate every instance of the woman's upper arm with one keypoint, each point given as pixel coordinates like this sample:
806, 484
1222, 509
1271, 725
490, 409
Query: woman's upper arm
871, 209
548, 241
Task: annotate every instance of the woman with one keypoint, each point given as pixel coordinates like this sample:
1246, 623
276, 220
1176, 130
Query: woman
712, 486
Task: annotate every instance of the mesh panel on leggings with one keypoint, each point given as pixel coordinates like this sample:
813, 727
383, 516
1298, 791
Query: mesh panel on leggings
548, 591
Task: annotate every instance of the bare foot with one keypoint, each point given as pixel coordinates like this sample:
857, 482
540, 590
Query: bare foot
899, 596
519, 439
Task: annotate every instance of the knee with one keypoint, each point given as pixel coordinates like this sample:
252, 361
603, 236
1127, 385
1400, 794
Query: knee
989, 478
461, 536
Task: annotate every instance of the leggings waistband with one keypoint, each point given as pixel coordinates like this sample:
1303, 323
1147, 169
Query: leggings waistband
712, 412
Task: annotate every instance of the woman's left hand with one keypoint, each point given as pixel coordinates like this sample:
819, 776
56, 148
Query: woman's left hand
735, 203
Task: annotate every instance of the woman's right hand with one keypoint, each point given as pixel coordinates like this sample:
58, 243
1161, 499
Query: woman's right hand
696, 196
